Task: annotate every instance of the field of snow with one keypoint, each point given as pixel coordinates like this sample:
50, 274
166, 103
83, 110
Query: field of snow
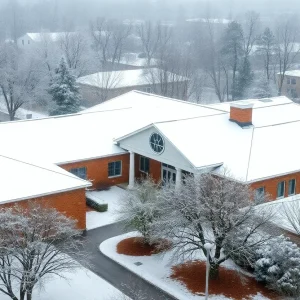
157, 269
95, 219
80, 285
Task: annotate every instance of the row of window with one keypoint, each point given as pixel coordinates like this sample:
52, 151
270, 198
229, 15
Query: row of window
281, 186
114, 170
291, 80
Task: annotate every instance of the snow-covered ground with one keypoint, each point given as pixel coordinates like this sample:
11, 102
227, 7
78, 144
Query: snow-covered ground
80, 285
157, 269
112, 197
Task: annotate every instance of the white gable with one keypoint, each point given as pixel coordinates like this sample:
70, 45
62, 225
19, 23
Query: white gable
140, 143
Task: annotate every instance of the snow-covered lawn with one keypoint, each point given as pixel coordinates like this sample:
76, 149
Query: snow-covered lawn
81, 285
156, 269
112, 198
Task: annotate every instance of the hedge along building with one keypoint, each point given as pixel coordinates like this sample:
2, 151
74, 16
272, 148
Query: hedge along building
135, 134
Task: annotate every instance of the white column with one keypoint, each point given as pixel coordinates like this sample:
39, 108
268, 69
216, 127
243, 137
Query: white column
178, 178
131, 171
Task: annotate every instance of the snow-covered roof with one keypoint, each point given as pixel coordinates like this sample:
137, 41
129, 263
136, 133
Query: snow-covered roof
133, 59
22, 180
52, 36
213, 21
22, 113
128, 78
294, 73
251, 154
203, 134
110, 120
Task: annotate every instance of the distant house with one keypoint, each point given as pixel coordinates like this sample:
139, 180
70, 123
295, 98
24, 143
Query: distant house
212, 21
133, 61
102, 86
31, 38
21, 114
291, 84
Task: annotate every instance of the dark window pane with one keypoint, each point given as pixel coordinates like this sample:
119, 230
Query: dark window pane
280, 189
147, 162
292, 187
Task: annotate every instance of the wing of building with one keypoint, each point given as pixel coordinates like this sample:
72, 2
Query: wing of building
254, 141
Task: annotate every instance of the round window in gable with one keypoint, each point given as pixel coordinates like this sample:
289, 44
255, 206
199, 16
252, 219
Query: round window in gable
157, 143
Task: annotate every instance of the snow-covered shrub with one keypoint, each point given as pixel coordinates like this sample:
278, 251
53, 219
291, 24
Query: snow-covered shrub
241, 247
97, 206
278, 265
139, 208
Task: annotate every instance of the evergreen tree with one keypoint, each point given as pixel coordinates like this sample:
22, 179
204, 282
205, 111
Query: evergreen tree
266, 48
64, 91
278, 265
262, 88
232, 51
244, 79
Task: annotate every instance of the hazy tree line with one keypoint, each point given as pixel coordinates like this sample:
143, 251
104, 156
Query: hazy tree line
236, 60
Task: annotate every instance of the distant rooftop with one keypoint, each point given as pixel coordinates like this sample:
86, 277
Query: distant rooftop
52, 36
294, 73
133, 59
128, 78
213, 21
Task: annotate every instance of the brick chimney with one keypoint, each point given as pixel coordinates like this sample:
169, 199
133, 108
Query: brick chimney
241, 113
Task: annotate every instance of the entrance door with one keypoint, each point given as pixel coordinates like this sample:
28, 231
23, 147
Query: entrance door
168, 174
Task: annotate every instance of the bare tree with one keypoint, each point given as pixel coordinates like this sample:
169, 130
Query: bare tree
36, 243
250, 32
155, 39
139, 208
286, 50
109, 39
290, 211
210, 209
215, 66
73, 46
18, 79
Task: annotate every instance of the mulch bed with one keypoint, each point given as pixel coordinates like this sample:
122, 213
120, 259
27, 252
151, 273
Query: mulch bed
135, 246
230, 283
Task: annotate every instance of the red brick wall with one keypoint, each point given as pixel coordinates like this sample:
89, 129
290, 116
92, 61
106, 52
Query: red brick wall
97, 170
154, 172
71, 204
271, 184
241, 115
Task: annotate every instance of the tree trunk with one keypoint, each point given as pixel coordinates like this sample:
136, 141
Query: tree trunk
214, 271
29, 295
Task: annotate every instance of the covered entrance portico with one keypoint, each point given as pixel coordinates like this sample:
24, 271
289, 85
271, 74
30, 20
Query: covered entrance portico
168, 173
152, 153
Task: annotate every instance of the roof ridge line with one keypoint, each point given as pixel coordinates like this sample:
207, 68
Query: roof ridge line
250, 153
65, 116
190, 118
288, 122
43, 168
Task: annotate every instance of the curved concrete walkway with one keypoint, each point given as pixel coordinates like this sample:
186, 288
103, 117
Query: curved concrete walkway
127, 282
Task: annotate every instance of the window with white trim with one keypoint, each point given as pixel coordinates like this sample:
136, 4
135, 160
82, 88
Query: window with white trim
292, 187
288, 80
280, 189
79, 172
144, 164
115, 168
293, 81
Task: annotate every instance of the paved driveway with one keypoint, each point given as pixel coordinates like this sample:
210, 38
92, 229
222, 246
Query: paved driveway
127, 282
